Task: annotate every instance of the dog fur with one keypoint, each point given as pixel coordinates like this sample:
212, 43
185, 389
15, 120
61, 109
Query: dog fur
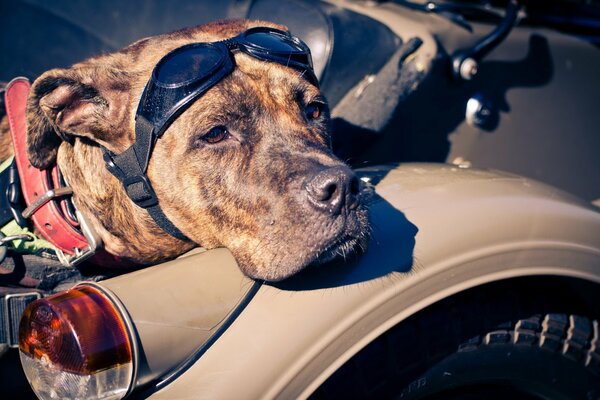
247, 193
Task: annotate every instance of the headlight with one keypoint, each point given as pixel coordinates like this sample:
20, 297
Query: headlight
76, 344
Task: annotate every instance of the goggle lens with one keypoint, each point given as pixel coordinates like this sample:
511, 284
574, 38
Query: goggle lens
274, 45
272, 42
188, 64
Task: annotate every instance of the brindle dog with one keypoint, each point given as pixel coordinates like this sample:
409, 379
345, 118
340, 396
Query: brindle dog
264, 184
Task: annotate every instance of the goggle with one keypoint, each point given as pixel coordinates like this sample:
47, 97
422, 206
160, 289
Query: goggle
187, 72
179, 78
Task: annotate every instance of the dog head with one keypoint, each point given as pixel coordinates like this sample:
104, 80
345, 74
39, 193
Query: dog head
247, 166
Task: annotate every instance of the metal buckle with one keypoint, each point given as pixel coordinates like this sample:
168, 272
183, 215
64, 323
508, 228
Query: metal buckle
94, 242
45, 198
92, 238
12, 333
140, 191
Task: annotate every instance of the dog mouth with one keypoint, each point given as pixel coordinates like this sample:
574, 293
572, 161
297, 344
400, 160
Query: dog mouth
350, 242
345, 247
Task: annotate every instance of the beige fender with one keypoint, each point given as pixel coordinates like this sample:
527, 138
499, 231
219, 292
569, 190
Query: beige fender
437, 230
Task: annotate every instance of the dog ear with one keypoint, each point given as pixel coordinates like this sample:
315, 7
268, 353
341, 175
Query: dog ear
65, 103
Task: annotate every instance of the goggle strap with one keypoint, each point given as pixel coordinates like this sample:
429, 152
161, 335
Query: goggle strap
144, 141
165, 223
130, 167
230, 43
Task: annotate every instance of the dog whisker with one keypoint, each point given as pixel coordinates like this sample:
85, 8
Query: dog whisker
300, 74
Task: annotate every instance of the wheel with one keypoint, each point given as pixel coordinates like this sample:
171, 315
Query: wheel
554, 356
517, 339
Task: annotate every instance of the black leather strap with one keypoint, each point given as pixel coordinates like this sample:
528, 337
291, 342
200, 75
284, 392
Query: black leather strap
11, 198
5, 213
130, 168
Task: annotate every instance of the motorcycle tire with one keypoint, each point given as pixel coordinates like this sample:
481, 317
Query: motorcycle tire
554, 356
528, 338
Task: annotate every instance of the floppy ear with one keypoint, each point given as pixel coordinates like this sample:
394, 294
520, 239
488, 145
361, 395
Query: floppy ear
64, 103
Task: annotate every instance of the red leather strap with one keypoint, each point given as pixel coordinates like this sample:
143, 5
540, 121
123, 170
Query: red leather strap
48, 220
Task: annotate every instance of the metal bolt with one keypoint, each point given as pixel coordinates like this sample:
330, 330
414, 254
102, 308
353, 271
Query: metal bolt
478, 112
461, 163
468, 69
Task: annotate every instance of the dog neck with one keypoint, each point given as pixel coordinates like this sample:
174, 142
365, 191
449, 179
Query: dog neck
74, 239
125, 229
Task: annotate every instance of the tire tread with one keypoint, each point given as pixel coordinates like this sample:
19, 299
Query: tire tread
573, 336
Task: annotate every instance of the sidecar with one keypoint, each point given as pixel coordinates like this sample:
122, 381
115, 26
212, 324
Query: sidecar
477, 283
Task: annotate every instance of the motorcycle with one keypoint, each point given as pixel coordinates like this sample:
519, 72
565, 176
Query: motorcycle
477, 282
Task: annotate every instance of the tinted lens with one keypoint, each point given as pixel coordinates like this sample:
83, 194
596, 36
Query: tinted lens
273, 42
187, 64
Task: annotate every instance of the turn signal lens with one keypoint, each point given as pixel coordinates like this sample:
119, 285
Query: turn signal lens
76, 345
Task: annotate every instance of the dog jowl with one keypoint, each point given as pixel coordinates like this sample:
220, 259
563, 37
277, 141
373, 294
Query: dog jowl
247, 165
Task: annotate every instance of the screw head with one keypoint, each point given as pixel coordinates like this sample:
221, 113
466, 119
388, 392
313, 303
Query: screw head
478, 112
468, 69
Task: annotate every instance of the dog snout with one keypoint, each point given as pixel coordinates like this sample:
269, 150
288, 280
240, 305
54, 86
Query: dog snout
333, 188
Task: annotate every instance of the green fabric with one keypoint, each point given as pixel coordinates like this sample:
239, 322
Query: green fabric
21, 246
12, 228
6, 163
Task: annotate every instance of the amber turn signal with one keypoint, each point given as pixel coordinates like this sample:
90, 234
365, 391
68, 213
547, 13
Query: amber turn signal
76, 344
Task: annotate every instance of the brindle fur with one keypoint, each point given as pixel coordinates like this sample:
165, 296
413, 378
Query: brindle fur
246, 193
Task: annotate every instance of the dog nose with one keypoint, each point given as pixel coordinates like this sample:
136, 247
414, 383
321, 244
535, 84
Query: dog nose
331, 189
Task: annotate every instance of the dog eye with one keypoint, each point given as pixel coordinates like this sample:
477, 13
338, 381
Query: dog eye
313, 110
216, 134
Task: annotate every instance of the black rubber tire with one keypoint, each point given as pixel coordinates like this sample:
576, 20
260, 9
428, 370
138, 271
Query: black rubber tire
555, 356
526, 338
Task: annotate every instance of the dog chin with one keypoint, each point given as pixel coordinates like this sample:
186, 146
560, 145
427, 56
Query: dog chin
351, 238
344, 248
